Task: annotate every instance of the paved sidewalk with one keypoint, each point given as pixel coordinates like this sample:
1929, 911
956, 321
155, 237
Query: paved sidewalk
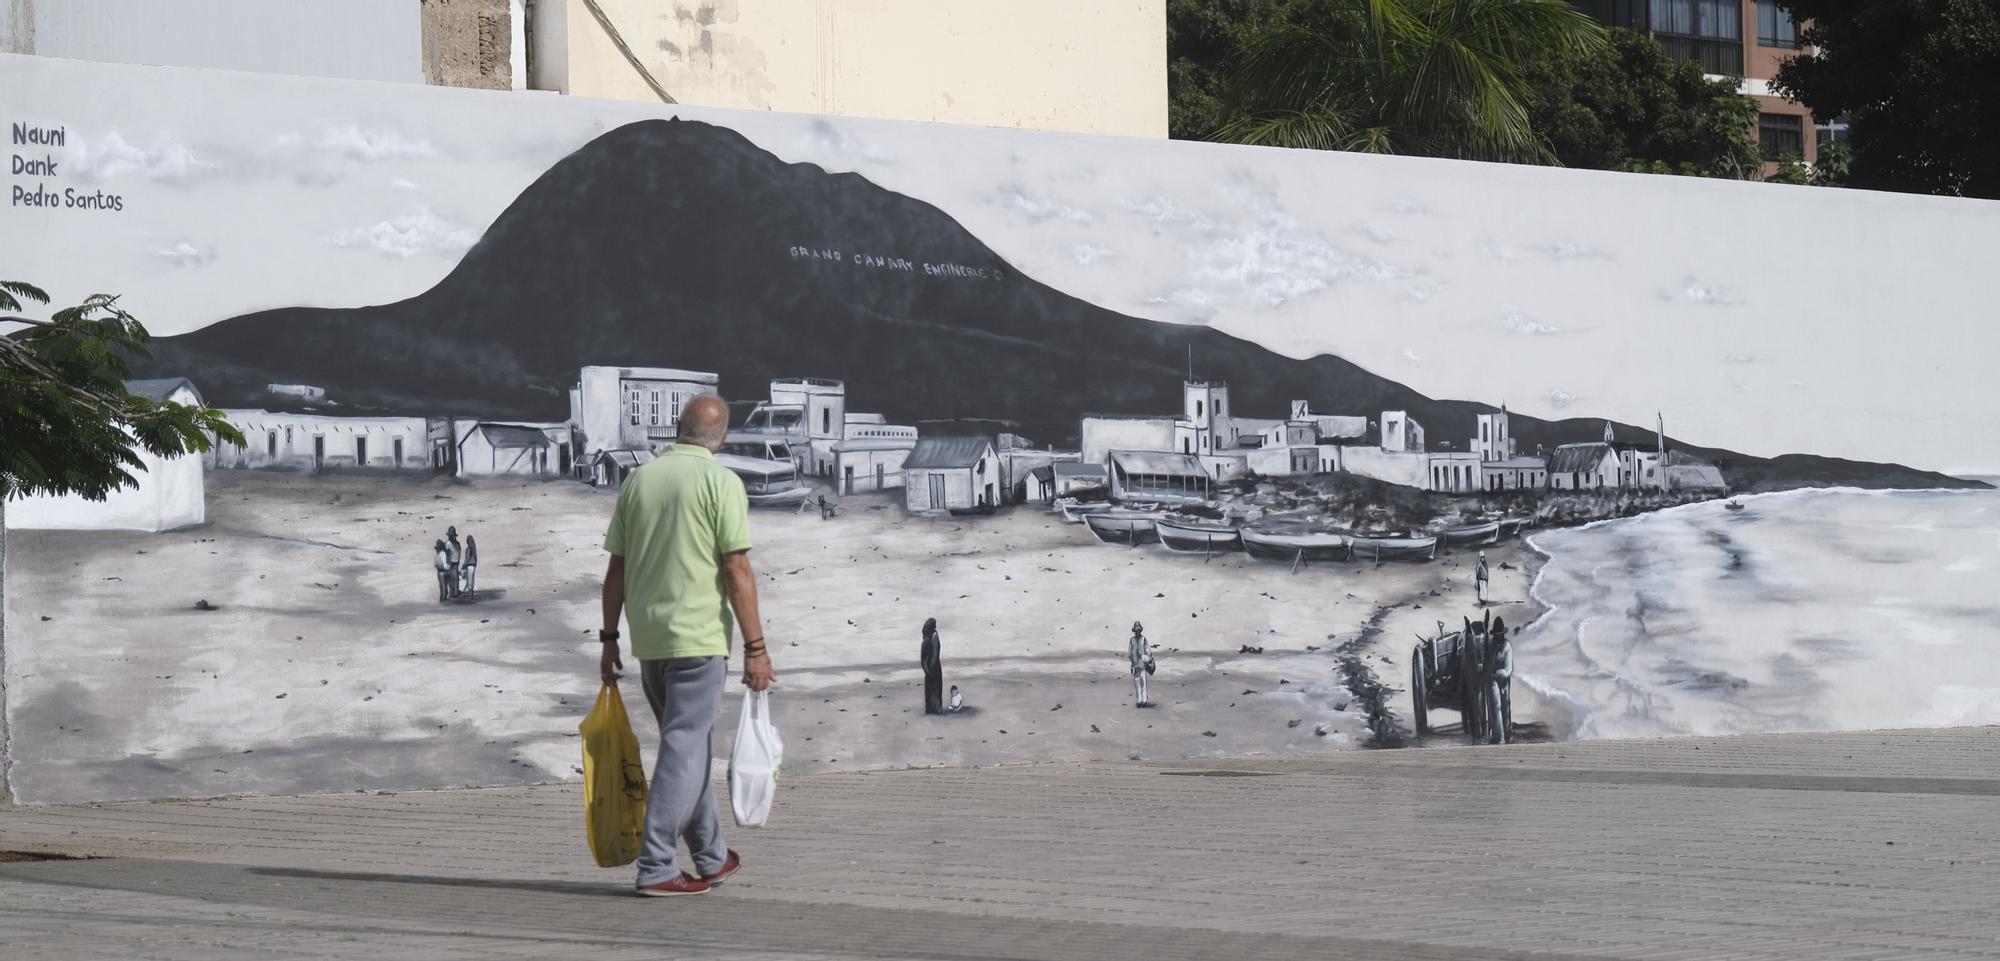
1883, 844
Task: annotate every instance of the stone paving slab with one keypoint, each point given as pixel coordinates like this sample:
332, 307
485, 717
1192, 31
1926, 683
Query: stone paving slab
1872, 845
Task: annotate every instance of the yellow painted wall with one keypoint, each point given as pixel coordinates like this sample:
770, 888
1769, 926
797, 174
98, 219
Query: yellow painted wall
1092, 66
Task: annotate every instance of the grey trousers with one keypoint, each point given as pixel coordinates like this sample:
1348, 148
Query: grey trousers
685, 693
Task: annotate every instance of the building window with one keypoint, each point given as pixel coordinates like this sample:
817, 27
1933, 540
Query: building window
271, 444
653, 408
1197, 410
675, 399
1708, 32
1775, 27
1781, 134
826, 420
635, 408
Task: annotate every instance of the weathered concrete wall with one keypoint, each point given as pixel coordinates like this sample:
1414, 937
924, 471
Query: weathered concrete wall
470, 43
1046, 64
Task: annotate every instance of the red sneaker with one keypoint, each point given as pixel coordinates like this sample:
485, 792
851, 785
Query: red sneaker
674, 887
729, 866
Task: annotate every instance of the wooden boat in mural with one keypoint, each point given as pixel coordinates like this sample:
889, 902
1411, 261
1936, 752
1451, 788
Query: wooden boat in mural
1513, 525
1293, 546
1471, 534
1124, 528
1198, 537
1394, 547
1075, 512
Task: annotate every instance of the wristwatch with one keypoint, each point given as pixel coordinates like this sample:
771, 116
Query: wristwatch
608, 637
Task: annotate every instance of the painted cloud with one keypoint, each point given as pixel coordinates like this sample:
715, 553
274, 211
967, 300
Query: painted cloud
420, 232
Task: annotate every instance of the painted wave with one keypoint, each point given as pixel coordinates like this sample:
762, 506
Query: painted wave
1805, 611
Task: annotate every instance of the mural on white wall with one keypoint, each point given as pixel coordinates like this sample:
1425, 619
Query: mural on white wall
1379, 451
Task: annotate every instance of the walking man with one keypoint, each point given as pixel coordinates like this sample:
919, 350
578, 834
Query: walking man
1140, 653
679, 542
1479, 578
930, 654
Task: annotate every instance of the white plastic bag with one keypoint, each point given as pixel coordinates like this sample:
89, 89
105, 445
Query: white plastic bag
753, 765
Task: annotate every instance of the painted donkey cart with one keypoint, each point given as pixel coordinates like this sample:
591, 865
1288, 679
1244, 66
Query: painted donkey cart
1469, 671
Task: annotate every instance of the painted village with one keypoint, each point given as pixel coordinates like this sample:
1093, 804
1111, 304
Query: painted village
1350, 509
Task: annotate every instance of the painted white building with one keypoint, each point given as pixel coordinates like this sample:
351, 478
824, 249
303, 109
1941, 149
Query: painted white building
1515, 473
516, 450
632, 408
1584, 467
311, 442
168, 493
1494, 441
1100, 434
866, 464
951, 473
1401, 433
1456, 472
1158, 476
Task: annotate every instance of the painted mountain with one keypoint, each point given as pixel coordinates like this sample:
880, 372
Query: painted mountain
671, 243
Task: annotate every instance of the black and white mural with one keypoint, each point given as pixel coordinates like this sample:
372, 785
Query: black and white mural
1302, 452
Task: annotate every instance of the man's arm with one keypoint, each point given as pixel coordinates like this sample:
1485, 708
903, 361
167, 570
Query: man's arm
742, 583
609, 663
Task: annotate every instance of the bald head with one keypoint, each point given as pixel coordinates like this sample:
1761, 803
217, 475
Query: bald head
704, 421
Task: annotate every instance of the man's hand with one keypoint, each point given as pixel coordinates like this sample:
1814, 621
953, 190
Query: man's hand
609, 664
757, 674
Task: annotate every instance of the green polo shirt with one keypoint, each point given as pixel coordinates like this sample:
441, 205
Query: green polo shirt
677, 518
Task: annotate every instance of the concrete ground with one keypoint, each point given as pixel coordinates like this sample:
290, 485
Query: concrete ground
1862, 845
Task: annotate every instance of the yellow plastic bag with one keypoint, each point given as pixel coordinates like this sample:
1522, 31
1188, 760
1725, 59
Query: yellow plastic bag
614, 782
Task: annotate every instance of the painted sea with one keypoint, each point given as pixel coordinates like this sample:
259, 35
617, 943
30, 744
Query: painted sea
1803, 611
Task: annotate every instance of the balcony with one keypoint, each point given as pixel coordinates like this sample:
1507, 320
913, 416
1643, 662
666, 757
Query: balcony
1724, 57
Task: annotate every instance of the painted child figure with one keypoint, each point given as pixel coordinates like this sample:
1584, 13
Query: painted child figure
957, 700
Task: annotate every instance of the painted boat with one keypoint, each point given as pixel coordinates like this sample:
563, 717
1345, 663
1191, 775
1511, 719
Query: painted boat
1734, 505
1471, 534
781, 498
1198, 537
1395, 548
1512, 526
1075, 513
1124, 528
1294, 546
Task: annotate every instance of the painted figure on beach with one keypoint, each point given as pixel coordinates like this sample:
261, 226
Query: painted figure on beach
957, 700
1479, 577
441, 559
471, 563
932, 657
1140, 653
454, 556
1500, 684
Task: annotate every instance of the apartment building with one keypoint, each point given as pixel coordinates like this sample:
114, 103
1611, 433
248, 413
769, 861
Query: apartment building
1744, 40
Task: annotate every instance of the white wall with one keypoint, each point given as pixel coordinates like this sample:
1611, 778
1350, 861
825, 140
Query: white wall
350, 39
1103, 435
169, 496
1396, 467
1097, 67
295, 434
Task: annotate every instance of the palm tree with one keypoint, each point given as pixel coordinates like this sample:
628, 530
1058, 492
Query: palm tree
1438, 78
